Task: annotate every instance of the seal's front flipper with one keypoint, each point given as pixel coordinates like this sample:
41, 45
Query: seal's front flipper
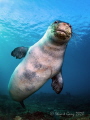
19, 52
57, 83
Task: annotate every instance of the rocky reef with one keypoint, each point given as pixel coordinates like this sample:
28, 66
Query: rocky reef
46, 106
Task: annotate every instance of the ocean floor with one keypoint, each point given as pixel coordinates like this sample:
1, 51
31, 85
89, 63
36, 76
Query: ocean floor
46, 106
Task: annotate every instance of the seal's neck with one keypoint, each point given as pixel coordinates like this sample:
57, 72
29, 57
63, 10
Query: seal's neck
50, 43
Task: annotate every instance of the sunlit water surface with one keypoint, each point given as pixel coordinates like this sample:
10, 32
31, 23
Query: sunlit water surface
24, 22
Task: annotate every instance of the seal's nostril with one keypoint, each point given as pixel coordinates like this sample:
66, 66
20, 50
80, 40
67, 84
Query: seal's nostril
67, 24
64, 23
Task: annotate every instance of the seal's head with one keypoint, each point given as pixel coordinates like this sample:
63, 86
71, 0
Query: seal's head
60, 32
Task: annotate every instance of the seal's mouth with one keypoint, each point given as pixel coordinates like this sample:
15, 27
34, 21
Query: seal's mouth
61, 31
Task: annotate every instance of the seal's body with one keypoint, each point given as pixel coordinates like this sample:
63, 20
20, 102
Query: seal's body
42, 61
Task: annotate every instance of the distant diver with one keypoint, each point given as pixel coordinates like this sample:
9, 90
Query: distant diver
43, 61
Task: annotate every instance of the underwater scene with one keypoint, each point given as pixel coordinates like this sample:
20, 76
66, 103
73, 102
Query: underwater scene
44, 60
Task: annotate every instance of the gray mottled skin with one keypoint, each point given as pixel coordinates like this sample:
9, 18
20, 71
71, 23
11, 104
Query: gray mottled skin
41, 62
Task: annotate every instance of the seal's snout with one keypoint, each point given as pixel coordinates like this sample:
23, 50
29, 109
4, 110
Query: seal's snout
64, 29
65, 24
61, 30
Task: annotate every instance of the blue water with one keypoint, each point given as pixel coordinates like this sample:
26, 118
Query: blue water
24, 22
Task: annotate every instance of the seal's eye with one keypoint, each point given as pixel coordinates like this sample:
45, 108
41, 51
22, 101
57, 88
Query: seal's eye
69, 25
57, 21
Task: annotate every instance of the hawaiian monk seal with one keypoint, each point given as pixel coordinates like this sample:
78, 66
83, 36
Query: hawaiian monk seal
42, 61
